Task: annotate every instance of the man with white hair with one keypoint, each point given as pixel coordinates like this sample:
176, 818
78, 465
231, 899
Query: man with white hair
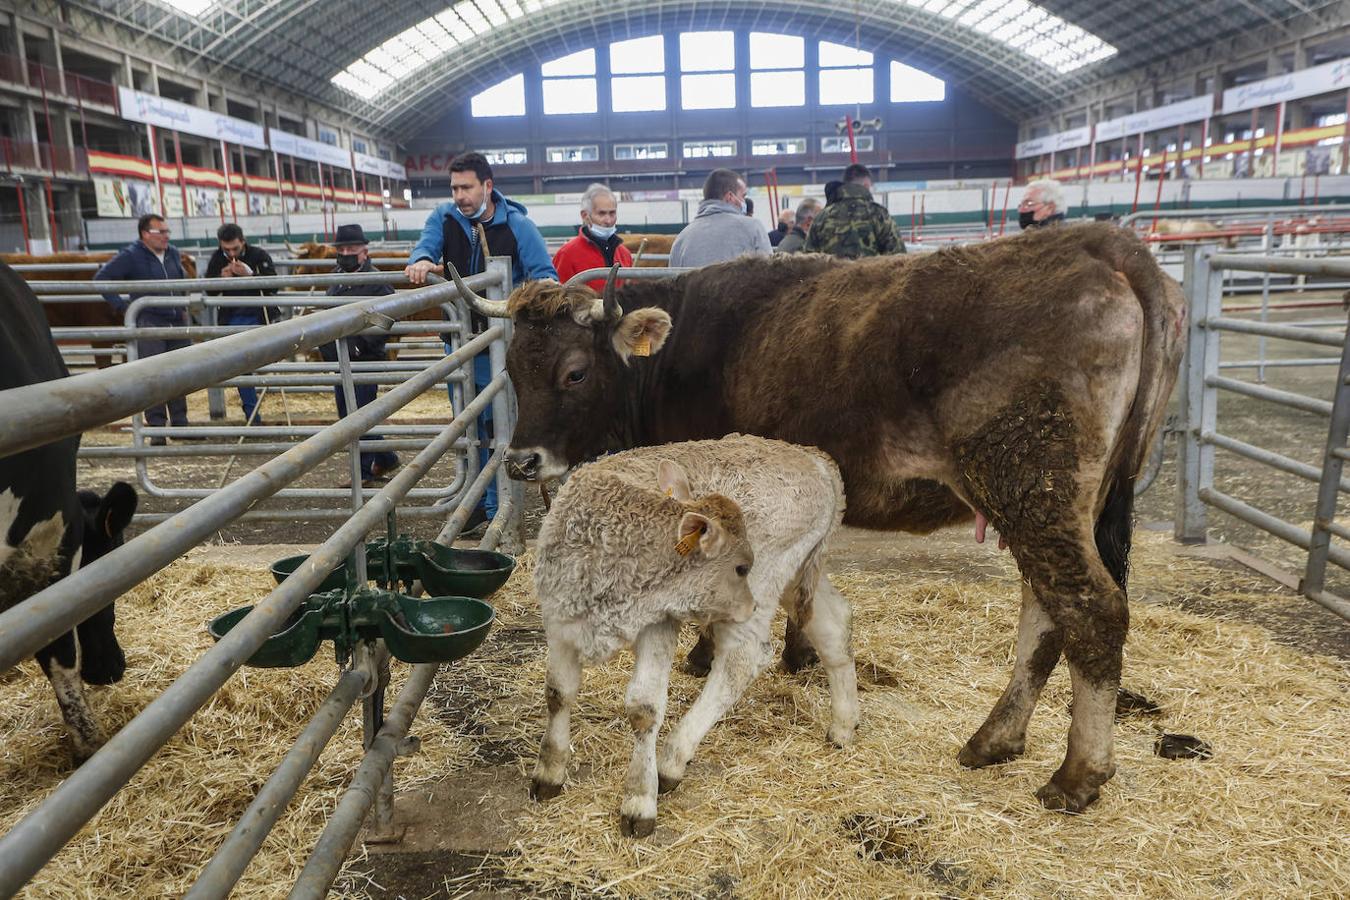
1042, 204
596, 244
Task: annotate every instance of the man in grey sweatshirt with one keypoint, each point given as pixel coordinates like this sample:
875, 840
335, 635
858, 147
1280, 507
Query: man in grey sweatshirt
721, 230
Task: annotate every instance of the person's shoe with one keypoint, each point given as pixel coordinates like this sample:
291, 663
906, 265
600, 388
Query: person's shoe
256, 422
159, 441
477, 523
383, 472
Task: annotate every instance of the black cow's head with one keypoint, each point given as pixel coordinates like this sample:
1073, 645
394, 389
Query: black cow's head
105, 520
568, 362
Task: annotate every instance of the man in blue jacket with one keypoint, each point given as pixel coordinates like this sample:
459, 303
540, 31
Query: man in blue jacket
452, 234
151, 257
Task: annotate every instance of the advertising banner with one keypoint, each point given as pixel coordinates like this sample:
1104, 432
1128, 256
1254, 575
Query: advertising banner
1332, 76
165, 113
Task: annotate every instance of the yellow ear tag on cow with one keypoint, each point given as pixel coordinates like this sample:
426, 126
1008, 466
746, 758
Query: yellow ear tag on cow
643, 345
687, 543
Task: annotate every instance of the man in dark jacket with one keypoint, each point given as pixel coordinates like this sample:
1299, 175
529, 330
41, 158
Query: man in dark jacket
455, 232
353, 256
236, 258
151, 257
785, 219
806, 214
854, 226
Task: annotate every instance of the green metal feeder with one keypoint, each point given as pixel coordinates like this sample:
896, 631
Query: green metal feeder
443, 571
435, 629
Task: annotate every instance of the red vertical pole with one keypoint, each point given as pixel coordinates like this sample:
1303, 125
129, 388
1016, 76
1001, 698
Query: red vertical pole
1181, 151
852, 144
323, 202
23, 218
1006, 192
182, 181
1138, 174
1279, 138
1251, 146
154, 165
1157, 200
1204, 146
51, 217
993, 194
229, 186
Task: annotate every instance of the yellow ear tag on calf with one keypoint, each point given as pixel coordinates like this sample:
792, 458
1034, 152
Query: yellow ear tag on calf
687, 543
643, 345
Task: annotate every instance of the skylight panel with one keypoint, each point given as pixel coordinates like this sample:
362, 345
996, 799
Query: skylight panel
191, 7
493, 12
511, 8
472, 16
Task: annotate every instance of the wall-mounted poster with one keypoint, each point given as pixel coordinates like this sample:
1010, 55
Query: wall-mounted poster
125, 198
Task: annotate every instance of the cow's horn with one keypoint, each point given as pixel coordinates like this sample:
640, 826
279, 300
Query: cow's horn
612, 309
490, 308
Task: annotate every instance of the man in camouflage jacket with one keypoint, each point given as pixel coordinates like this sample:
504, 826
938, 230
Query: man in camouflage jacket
854, 225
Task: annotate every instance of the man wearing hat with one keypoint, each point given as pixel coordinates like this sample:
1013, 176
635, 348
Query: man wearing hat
353, 256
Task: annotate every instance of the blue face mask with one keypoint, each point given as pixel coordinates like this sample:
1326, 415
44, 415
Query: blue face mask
481, 209
603, 232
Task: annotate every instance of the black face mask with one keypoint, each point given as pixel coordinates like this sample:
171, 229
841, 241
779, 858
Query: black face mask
1026, 219
348, 262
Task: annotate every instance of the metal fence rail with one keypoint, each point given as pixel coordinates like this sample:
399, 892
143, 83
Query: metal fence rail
38, 414
1200, 435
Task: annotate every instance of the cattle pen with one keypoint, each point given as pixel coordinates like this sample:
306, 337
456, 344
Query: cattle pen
773, 812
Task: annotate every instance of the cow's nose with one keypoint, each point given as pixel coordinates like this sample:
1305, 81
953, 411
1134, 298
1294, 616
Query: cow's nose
522, 465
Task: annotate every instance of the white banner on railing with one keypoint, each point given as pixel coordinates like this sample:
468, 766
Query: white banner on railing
1064, 140
1173, 114
304, 148
1332, 76
165, 113
373, 165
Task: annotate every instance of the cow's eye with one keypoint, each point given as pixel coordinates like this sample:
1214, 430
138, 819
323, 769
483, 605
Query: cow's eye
576, 376
743, 570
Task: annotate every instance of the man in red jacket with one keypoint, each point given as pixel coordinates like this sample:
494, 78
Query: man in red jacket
596, 244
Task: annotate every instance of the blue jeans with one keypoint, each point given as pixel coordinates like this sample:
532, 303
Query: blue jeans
482, 376
248, 396
386, 459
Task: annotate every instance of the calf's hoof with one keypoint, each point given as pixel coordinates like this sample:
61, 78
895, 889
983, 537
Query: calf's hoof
543, 790
840, 736
698, 666
1058, 798
636, 826
977, 756
664, 784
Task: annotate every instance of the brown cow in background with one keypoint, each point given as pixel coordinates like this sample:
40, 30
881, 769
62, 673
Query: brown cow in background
86, 314
659, 244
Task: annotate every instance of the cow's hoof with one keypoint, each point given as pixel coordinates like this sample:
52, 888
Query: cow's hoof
665, 785
796, 659
636, 826
543, 790
973, 757
99, 670
1056, 797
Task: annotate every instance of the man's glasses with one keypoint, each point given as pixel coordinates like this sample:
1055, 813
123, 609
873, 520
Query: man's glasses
156, 231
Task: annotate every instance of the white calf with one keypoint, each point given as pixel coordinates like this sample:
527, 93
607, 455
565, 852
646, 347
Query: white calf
610, 575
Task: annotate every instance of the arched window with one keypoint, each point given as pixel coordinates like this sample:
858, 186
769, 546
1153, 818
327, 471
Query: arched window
712, 55
777, 76
638, 68
845, 74
569, 84
505, 98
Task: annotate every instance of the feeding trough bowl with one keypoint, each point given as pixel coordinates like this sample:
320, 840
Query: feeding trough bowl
444, 571
435, 629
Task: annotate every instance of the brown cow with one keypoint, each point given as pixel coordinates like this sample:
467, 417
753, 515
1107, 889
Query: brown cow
650, 243
88, 314
1022, 378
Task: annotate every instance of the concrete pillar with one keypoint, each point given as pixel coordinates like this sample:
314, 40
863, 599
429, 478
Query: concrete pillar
58, 61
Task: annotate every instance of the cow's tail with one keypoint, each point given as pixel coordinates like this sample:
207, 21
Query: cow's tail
1160, 300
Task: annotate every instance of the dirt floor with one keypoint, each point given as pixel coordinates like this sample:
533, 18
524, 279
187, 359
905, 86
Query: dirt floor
466, 832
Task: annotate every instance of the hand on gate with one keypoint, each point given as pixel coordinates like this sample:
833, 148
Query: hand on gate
417, 272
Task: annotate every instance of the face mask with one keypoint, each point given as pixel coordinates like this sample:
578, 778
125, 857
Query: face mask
349, 262
603, 232
482, 208
743, 206
1026, 218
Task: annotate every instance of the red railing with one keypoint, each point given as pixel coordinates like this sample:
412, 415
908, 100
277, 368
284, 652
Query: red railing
39, 157
35, 74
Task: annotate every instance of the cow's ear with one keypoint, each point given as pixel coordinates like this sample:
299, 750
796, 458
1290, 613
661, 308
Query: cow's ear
673, 481
704, 532
116, 509
641, 333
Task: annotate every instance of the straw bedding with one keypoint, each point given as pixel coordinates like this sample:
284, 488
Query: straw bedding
767, 810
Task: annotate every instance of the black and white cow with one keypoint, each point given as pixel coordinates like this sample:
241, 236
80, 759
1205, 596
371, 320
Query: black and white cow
48, 529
